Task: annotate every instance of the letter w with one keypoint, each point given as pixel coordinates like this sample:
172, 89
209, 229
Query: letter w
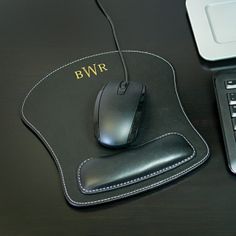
88, 71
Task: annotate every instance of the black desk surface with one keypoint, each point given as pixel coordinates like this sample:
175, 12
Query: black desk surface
37, 37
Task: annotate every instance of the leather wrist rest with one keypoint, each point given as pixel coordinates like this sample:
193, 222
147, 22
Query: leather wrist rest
134, 165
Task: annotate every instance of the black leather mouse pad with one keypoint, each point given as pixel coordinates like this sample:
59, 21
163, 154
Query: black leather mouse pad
59, 110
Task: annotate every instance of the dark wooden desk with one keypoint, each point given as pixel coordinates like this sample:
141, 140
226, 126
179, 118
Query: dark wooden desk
39, 36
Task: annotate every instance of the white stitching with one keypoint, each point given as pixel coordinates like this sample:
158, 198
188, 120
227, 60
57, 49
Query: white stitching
153, 174
119, 196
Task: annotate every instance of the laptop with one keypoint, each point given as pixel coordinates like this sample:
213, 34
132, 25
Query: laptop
213, 24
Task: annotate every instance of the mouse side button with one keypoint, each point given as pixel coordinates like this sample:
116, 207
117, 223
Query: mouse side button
96, 114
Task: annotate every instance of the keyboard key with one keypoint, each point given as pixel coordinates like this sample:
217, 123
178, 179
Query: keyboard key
234, 123
232, 98
230, 84
233, 110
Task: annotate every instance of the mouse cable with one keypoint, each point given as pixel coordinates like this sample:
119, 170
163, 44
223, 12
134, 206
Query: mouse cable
115, 39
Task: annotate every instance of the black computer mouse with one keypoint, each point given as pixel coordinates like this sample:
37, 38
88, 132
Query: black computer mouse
117, 113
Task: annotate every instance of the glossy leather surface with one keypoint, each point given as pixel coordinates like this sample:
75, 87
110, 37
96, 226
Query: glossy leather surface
134, 165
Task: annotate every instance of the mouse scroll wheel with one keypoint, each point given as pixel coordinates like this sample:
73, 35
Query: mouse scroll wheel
122, 88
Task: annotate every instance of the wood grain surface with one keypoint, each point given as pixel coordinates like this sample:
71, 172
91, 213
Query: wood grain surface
39, 36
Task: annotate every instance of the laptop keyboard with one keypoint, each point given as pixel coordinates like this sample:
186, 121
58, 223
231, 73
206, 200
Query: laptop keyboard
225, 89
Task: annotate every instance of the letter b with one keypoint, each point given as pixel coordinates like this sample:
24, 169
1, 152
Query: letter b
78, 74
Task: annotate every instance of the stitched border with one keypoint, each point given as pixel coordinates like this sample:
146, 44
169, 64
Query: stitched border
139, 179
119, 196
